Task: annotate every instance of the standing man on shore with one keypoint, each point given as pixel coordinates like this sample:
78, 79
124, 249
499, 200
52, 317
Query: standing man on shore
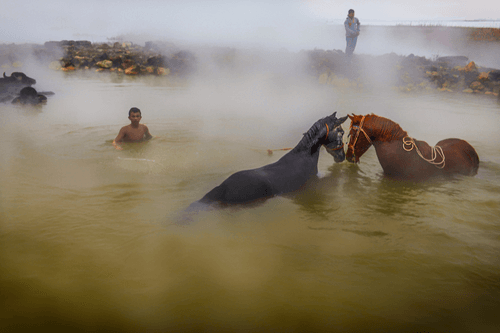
351, 25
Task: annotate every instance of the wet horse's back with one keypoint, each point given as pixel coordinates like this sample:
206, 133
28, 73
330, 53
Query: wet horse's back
267, 181
460, 157
240, 187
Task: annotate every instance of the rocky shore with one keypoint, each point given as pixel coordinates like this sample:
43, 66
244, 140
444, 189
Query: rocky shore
154, 58
453, 74
405, 73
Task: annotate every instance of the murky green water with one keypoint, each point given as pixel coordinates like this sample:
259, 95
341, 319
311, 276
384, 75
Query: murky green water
87, 233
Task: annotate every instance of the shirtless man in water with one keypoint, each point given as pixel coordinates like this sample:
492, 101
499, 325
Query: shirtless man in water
134, 132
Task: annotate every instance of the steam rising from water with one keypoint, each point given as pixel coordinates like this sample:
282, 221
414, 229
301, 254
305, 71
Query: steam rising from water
85, 241
258, 85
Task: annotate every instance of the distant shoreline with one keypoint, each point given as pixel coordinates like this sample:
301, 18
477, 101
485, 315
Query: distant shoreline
489, 34
415, 23
469, 33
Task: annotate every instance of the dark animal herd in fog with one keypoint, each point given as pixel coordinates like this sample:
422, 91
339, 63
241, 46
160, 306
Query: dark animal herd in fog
17, 89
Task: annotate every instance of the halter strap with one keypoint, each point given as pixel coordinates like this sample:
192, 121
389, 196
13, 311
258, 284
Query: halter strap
360, 129
436, 150
327, 131
338, 148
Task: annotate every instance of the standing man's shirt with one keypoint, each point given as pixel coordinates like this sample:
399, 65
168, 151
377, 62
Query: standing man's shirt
351, 27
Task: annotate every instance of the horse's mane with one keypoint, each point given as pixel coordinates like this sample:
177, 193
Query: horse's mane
386, 129
311, 137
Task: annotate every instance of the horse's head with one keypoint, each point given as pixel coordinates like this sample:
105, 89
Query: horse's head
359, 141
334, 137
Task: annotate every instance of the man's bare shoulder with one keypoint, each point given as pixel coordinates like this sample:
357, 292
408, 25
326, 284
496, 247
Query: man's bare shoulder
126, 128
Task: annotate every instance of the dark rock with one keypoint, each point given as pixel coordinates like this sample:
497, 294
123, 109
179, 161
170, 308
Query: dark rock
494, 75
101, 57
476, 85
454, 60
117, 61
155, 61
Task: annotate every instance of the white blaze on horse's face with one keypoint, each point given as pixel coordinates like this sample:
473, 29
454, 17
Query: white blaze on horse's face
338, 136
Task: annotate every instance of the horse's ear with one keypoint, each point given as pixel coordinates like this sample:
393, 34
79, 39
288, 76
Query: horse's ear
341, 120
334, 114
351, 117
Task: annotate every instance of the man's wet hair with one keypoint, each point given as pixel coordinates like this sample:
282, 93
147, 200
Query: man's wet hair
134, 110
350, 11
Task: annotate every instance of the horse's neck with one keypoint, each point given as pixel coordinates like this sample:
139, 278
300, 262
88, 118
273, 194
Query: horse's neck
302, 154
384, 130
306, 146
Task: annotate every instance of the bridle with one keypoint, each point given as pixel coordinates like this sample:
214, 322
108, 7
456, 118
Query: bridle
360, 129
326, 137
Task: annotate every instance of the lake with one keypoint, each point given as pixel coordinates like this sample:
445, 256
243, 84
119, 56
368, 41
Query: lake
90, 239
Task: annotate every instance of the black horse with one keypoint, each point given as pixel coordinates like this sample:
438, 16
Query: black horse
288, 174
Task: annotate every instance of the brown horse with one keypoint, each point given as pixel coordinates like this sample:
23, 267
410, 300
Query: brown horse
403, 157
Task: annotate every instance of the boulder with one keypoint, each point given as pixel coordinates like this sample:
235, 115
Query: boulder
133, 70
471, 66
476, 85
454, 60
127, 63
105, 64
101, 57
483, 76
163, 71
494, 75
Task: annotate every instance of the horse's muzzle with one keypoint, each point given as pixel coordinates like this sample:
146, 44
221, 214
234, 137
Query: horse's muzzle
338, 153
352, 159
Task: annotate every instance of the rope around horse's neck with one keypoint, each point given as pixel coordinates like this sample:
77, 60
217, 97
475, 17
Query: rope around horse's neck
436, 150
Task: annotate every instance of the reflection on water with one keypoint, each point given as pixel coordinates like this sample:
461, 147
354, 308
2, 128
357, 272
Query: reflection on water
89, 240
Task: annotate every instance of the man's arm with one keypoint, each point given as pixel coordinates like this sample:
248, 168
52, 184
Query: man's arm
119, 138
349, 29
147, 135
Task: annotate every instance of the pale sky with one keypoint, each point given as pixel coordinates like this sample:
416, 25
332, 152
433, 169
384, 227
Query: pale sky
224, 21
409, 10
